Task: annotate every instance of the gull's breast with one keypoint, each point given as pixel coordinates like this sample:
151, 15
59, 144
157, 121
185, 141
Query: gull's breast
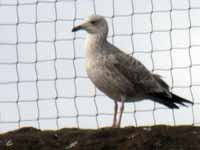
101, 78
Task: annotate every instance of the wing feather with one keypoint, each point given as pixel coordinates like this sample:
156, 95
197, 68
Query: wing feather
135, 72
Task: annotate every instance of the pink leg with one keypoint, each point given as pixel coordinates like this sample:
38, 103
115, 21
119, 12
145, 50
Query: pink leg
115, 114
121, 112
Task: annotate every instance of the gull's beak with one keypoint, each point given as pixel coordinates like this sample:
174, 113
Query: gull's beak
76, 28
81, 26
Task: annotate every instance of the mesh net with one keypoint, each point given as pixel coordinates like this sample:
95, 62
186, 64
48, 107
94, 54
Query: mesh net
43, 81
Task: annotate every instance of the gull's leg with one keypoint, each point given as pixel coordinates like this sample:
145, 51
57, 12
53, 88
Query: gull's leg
121, 112
115, 114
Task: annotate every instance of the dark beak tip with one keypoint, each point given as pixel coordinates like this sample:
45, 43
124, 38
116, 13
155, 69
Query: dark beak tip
73, 29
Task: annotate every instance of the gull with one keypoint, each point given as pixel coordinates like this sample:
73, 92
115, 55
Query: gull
119, 75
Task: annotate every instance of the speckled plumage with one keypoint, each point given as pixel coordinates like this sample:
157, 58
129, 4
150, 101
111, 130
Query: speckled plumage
119, 75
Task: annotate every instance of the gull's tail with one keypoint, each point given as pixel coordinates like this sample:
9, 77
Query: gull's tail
170, 102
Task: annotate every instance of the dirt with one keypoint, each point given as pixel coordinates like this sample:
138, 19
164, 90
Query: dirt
129, 138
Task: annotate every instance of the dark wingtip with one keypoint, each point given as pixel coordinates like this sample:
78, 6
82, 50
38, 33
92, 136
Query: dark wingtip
181, 100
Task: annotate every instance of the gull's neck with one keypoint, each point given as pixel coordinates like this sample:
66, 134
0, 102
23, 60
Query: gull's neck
94, 43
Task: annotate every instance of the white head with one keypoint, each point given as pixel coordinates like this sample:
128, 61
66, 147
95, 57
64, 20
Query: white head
95, 24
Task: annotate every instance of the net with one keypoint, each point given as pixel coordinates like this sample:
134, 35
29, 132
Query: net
43, 81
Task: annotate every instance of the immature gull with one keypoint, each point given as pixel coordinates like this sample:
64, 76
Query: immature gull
119, 75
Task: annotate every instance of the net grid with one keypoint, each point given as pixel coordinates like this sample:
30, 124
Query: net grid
52, 76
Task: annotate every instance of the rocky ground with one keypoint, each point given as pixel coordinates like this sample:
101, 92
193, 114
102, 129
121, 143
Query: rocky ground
129, 138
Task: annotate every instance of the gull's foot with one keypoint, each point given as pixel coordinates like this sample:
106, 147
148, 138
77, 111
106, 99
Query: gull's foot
117, 126
114, 125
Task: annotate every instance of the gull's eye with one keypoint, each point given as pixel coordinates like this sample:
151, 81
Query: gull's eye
93, 22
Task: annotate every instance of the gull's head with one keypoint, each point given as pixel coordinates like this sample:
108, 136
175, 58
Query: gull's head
93, 25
